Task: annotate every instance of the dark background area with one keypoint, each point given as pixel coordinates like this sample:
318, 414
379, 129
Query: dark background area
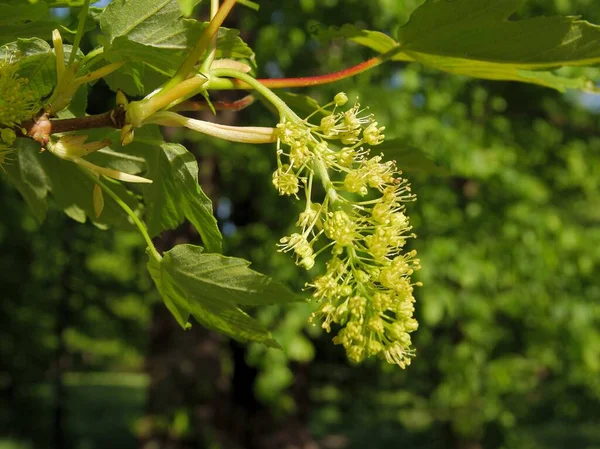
508, 349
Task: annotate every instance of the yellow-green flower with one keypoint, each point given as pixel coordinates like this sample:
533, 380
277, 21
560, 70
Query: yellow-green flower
367, 289
17, 101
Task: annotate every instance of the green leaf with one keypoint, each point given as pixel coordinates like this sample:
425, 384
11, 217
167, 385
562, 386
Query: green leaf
135, 78
113, 156
149, 22
227, 280
410, 158
211, 287
26, 173
186, 6
374, 40
175, 194
480, 30
72, 192
22, 12
153, 38
173, 297
24, 19
36, 173
475, 38
148, 65
36, 63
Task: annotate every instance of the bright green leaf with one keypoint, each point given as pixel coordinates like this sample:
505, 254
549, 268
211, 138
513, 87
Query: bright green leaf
148, 22
153, 38
211, 287
227, 279
475, 38
480, 30
175, 194
175, 300
186, 6
36, 63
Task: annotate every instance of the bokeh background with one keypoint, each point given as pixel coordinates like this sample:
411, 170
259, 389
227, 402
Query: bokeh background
508, 219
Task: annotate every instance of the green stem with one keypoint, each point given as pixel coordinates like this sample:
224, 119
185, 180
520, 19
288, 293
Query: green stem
80, 30
127, 209
194, 55
267, 93
138, 111
326, 181
214, 8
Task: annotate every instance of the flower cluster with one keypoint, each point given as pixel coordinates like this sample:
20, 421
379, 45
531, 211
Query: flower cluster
17, 103
17, 100
367, 288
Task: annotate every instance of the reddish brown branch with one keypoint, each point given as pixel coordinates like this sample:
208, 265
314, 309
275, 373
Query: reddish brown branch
42, 127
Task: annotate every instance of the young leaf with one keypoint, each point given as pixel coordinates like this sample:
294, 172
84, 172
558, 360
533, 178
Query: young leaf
211, 287
175, 194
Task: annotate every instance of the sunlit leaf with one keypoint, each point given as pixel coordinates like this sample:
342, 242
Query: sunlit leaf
475, 38
36, 63
211, 287
175, 194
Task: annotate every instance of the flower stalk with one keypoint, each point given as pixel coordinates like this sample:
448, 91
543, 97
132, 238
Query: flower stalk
244, 134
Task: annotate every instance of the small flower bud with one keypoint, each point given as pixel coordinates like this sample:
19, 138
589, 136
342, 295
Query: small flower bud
308, 262
327, 124
340, 99
8, 136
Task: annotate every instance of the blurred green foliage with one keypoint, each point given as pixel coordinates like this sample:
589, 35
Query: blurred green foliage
508, 350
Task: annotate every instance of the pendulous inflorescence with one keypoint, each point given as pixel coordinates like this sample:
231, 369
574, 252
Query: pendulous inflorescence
17, 103
360, 222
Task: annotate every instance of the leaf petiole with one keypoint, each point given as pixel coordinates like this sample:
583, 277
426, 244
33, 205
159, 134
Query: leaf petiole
141, 227
267, 93
203, 42
80, 30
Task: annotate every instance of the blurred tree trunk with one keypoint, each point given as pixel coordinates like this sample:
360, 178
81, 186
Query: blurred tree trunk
59, 391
